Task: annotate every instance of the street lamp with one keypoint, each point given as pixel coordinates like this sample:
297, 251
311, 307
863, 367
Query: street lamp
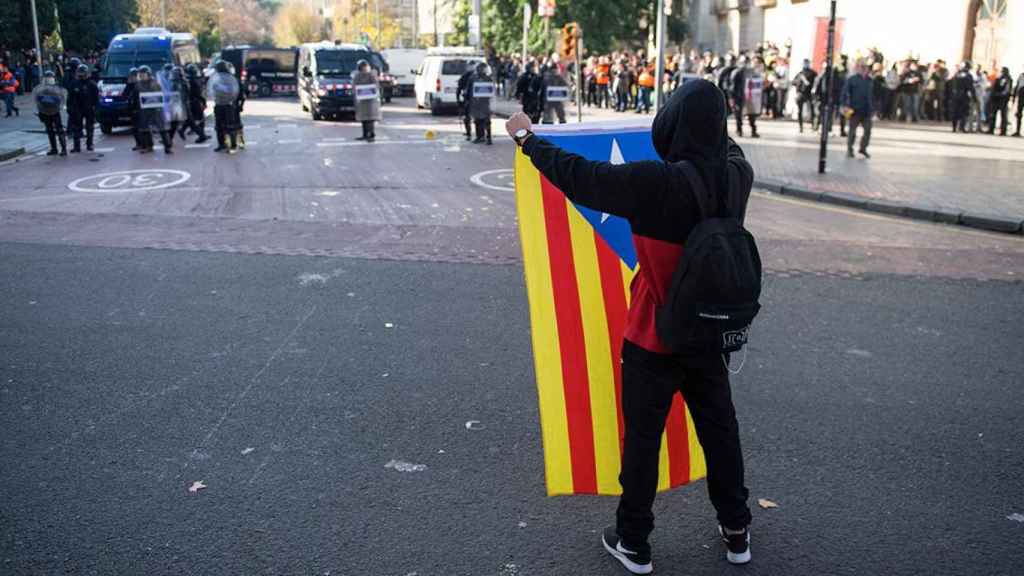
39, 50
826, 120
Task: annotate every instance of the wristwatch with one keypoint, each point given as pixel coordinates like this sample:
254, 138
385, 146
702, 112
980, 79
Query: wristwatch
521, 135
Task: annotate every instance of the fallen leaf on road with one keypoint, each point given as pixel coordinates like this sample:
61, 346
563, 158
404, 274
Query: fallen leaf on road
474, 425
405, 466
765, 503
247, 451
196, 486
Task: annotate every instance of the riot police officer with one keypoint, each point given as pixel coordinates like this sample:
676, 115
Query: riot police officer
999, 102
50, 99
151, 111
83, 97
528, 92
804, 84
962, 94
223, 89
479, 106
196, 104
554, 93
367, 89
464, 95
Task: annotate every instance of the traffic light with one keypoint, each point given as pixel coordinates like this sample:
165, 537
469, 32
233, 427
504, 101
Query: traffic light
570, 35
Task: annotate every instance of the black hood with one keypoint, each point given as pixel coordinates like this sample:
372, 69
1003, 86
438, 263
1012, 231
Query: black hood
691, 127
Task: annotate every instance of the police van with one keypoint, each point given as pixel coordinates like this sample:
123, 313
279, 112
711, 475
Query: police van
270, 71
325, 77
438, 76
151, 47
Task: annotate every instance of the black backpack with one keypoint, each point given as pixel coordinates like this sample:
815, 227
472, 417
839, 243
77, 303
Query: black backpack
715, 288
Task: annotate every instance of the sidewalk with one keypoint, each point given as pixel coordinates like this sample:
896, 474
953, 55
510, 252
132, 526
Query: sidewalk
21, 134
917, 171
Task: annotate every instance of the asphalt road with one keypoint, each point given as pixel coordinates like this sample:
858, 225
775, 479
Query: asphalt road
317, 373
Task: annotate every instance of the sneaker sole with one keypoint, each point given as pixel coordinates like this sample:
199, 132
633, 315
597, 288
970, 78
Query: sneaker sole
738, 558
626, 562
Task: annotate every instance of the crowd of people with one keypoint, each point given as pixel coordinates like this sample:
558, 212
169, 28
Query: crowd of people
761, 82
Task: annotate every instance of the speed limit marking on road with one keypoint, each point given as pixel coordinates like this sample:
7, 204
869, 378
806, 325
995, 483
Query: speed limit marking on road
495, 179
130, 181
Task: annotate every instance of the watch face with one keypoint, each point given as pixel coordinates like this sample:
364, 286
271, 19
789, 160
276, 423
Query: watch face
521, 133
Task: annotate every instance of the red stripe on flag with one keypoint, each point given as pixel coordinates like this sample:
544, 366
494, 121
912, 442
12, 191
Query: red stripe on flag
615, 307
570, 340
678, 443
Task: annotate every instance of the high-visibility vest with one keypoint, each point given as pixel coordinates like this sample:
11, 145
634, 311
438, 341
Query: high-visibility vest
603, 74
10, 83
646, 79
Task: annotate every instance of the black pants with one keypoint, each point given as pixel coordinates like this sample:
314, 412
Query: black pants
999, 106
649, 382
1020, 111
851, 137
467, 121
483, 129
54, 132
368, 130
224, 119
751, 119
79, 122
801, 102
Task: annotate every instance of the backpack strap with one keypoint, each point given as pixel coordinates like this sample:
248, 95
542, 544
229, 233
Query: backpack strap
700, 192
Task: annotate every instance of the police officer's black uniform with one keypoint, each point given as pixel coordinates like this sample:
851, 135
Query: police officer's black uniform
463, 94
999, 102
83, 97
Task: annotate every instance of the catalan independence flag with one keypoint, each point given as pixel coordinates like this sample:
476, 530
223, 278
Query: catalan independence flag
578, 266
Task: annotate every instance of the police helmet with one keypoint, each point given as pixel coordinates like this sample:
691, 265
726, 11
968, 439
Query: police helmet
168, 67
73, 63
361, 64
481, 68
49, 74
192, 70
221, 66
82, 72
145, 69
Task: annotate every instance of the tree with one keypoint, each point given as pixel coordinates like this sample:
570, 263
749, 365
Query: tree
246, 22
200, 17
296, 23
363, 20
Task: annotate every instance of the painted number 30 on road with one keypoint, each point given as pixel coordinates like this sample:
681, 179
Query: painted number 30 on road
130, 181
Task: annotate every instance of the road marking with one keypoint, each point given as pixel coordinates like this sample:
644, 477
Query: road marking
130, 180
500, 173
203, 145
286, 125
290, 141
339, 139
103, 149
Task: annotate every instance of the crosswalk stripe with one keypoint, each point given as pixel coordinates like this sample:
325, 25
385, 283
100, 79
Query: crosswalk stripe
203, 145
103, 149
290, 141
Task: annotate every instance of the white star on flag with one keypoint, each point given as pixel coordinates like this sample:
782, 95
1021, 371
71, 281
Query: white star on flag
616, 158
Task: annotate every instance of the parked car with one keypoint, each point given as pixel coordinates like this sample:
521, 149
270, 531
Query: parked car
404, 63
270, 71
438, 76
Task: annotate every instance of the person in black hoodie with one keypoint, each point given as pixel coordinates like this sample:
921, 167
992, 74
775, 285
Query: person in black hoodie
659, 202
83, 97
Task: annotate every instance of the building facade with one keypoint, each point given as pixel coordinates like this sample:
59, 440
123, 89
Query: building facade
988, 32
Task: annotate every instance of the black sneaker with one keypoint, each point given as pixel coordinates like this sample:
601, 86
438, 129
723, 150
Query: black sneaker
737, 546
638, 562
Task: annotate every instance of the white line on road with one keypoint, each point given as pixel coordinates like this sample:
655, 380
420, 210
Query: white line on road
290, 141
203, 145
286, 125
334, 139
103, 149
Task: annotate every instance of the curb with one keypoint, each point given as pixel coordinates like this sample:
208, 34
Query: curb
6, 155
988, 222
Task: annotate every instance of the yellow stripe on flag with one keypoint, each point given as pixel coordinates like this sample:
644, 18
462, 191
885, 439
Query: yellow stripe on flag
698, 468
664, 480
601, 377
546, 353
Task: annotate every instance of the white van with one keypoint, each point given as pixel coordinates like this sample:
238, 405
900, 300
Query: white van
403, 64
439, 74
